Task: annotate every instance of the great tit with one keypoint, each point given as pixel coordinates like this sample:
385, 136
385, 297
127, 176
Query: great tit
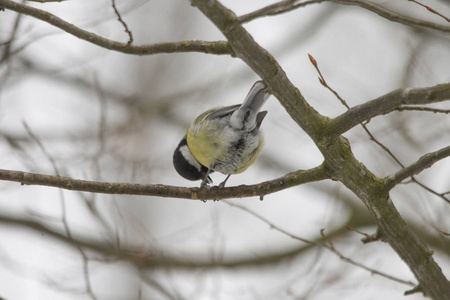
224, 139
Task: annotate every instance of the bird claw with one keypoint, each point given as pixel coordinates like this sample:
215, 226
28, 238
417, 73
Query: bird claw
206, 186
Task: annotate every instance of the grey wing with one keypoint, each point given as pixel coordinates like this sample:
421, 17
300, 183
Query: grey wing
223, 111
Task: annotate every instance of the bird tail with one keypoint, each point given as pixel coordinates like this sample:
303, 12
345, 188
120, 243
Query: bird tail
245, 117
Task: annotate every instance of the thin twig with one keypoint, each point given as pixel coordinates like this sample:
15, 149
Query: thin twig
431, 10
422, 108
329, 245
324, 83
289, 5
119, 18
333, 249
363, 125
8, 43
276, 9
440, 153
392, 16
87, 280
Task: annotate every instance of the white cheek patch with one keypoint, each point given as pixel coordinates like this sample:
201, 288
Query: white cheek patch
188, 155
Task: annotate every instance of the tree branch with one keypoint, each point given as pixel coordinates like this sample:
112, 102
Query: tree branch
392, 16
289, 5
216, 47
388, 103
336, 150
422, 108
261, 189
423, 163
325, 242
276, 9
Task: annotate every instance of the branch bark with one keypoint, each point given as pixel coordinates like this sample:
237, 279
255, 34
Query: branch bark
423, 163
160, 190
336, 150
340, 164
388, 103
215, 47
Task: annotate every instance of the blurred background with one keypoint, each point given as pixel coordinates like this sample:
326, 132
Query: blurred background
73, 109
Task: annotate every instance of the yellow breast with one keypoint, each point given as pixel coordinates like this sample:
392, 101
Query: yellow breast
205, 141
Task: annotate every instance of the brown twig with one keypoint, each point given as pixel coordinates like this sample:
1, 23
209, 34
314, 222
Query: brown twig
392, 16
333, 249
119, 18
425, 162
289, 5
442, 153
327, 245
431, 10
363, 125
276, 9
324, 83
422, 108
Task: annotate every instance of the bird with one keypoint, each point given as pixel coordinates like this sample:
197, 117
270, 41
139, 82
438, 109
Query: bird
223, 139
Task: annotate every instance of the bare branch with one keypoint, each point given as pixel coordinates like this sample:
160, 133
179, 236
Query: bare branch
327, 244
423, 163
335, 148
372, 137
217, 47
422, 108
388, 103
261, 189
276, 9
392, 16
289, 5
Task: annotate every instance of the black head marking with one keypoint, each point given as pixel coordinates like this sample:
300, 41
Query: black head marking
186, 165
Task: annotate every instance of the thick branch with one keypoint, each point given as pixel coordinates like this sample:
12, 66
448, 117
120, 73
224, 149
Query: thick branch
423, 163
261, 189
265, 65
336, 150
388, 103
217, 47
